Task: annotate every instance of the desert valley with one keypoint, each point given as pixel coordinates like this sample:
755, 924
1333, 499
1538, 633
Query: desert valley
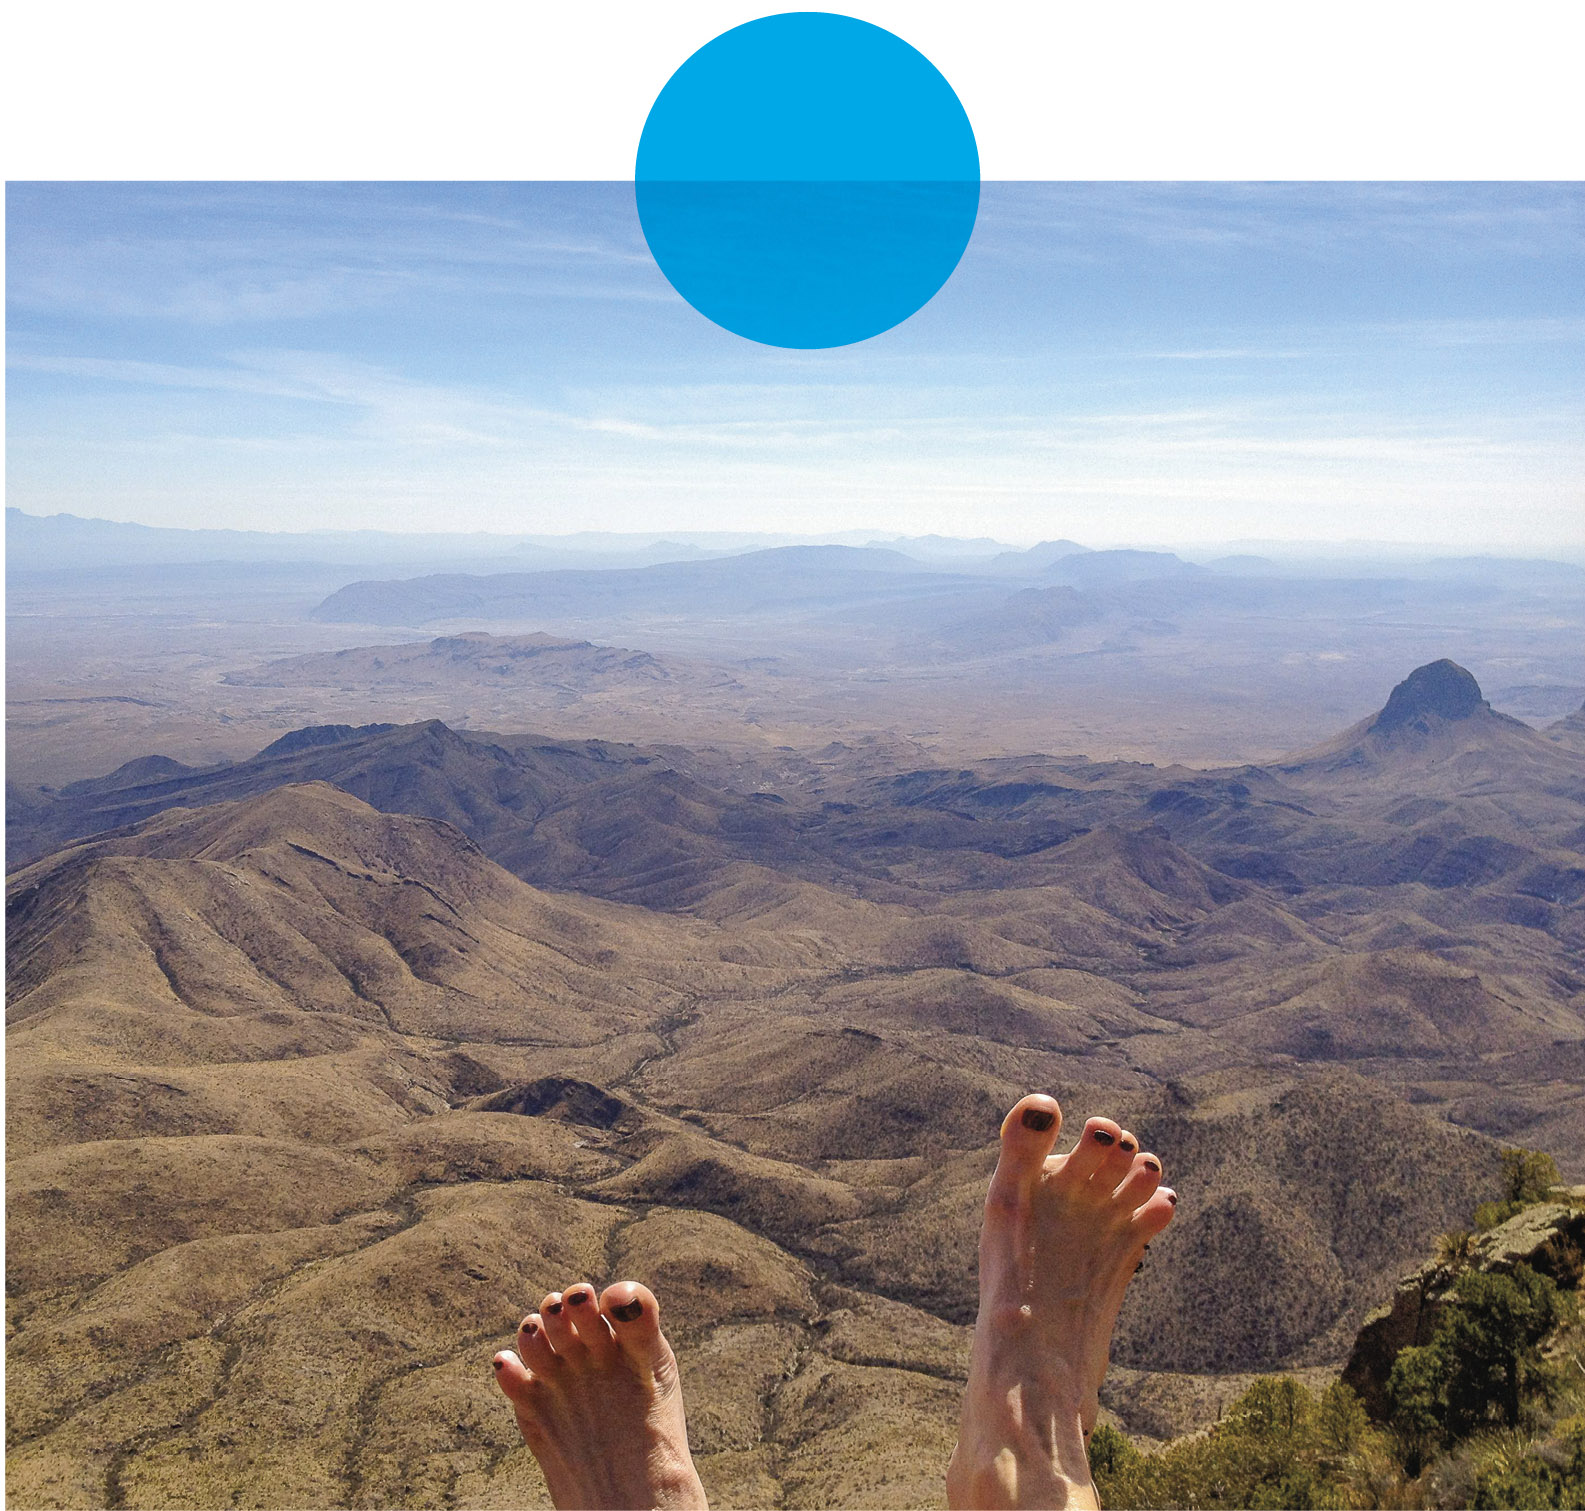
388, 943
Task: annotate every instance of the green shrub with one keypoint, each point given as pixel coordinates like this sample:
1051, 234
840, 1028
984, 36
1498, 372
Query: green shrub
1491, 1341
1417, 1403
1528, 1174
1110, 1450
1265, 1453
1341, 1421
1474, 1384
1483, 1365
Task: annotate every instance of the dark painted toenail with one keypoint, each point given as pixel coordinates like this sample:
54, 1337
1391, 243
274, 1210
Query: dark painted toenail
497, 1363
1037, 1120
577, 1299
1103, 1137
1153, 1167
1172, 1196
553, 1308
629, 1312
1128, 1148
529, 1329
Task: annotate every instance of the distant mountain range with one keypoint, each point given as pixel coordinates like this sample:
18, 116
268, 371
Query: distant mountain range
59, 542
779, 580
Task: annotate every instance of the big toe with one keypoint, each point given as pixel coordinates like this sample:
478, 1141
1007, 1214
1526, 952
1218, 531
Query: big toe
634, 1315
1028, 1132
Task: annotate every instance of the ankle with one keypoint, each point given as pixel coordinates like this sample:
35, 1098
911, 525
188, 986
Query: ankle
1004, 1481
674, 1484
1027, 1450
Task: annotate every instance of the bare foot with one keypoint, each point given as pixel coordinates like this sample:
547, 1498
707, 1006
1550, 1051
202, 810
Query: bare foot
1062, 1238
598, 1400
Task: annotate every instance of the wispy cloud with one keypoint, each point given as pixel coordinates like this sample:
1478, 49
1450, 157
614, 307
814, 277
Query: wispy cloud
458, 354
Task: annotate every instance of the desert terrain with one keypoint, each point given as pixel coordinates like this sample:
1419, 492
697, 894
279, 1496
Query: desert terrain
387, 946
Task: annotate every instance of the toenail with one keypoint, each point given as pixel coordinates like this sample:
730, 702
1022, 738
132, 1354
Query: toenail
1172, 1196
1129, 1148
553, 1308
1037, 1120
629, 1312
577, 1300
1153, 1167
530, 1328
1103, 1137
497, 1364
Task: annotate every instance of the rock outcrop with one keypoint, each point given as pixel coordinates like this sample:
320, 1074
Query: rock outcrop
1442, 690
1549, 1238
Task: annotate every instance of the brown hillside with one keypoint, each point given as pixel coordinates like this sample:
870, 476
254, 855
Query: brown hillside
310, 1101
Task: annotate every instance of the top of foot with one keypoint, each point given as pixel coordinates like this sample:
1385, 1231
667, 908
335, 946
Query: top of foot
598, 1399
1062, 1237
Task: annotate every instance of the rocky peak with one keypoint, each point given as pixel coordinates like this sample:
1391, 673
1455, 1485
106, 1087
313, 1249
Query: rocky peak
316, 736
1442, 690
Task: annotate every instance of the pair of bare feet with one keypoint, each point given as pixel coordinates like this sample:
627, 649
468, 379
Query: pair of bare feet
598, 1398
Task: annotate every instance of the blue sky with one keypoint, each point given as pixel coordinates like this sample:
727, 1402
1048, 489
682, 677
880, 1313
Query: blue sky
1118, 363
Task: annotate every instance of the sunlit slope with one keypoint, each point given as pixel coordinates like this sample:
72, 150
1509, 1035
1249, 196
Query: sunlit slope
309, 1102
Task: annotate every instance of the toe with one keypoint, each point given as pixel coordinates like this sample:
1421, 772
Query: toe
1117, 1160
1028, 1132
525, 1391
634, 1315
1095, 1146
1140, 1183
590, 1328
1155, 1214
512, 1375
533, 1347
558, 1326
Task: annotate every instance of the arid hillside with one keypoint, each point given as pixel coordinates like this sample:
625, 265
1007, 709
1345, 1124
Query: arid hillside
309, 1099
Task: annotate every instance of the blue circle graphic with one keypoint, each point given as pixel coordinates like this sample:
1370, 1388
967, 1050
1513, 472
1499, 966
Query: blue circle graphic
807, 180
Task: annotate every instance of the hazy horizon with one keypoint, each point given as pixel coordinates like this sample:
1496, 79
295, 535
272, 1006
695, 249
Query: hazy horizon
1184, 365
1295, 549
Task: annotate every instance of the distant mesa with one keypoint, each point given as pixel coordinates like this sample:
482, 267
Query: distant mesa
1028, 618
940, 545
533, 660
1113, 568
1243, 566
1048, 551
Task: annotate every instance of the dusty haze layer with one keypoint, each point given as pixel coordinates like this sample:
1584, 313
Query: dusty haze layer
959, 655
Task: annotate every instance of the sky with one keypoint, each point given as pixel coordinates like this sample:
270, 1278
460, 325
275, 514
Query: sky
1126, 363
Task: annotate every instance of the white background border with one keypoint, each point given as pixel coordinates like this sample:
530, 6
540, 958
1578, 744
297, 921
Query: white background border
480, 89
